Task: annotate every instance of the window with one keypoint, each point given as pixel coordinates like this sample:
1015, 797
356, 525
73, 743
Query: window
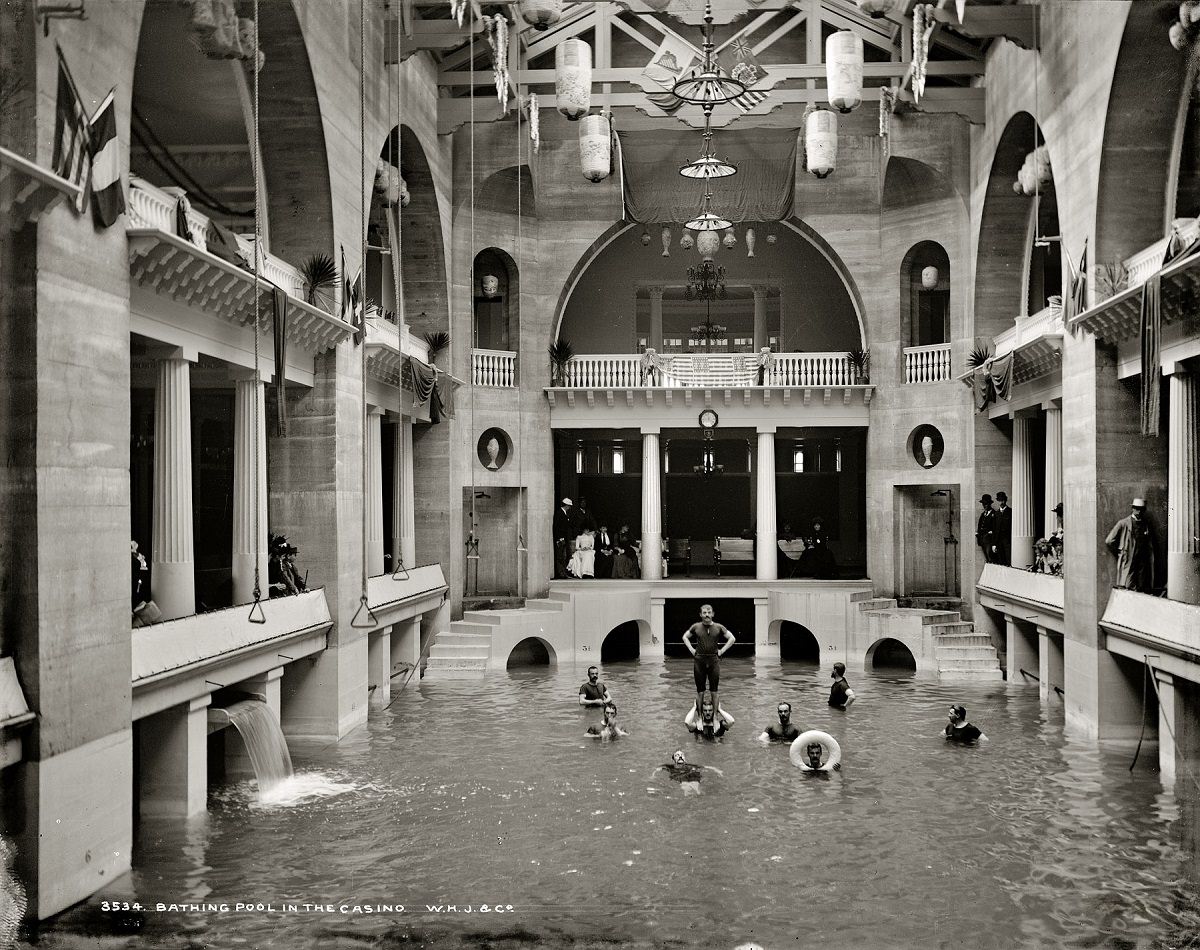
837, 456
579, 460
618, 461
798, 459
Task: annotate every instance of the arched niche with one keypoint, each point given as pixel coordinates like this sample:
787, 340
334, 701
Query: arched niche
508, 191
925, 311
532, 651
606, 297
422, 246
890, 654
1185, 166
496, 308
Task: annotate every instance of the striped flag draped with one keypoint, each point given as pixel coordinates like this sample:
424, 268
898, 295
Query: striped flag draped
71, 148
108, 198
749, 72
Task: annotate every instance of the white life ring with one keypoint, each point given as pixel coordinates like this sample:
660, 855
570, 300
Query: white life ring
831, 757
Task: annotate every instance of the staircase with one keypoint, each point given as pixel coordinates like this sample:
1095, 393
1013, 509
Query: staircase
464, 651
963, 654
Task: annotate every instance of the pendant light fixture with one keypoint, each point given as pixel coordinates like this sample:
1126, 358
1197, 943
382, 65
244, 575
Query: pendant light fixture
706, 85
707, 165
707, 221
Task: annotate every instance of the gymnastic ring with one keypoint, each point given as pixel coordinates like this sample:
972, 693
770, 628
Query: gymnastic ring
832, 756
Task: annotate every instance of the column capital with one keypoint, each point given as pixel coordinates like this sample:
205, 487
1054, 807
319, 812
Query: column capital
376, 410
160, 352
1175, 368
243, 374
1052, 405
655, 291
760, 290
1164, 677
200, 702
651, 429
766, 428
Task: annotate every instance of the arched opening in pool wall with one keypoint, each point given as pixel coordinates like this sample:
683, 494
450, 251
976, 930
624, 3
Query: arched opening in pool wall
623, 642
532, 651
890, 655
797, 644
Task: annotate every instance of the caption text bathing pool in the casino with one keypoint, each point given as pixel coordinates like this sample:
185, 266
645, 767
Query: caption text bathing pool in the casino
285, 907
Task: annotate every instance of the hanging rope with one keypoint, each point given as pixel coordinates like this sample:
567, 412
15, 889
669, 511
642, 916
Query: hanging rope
400, 491
370, 621
256, 609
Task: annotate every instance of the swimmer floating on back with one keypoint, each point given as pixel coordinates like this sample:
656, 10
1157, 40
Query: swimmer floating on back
608, 729
687, 775
711, 722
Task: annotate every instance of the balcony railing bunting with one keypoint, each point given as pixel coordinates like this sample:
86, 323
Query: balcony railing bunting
692, 370
927, 364
494, 368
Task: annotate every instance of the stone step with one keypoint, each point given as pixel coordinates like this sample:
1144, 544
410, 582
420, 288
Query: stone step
957, 675
946, 629
546, 604
466, 650
963, 640
874, 603
560, 595
463, 639
469, 626
939, 617
974, 652
458, 669
489, 617
968, 663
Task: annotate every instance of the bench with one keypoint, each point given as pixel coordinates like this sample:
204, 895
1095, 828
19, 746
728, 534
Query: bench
733, 551
680, 549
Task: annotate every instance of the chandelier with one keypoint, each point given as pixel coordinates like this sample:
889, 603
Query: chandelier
705, 282
706, 85
707, 221
707, 166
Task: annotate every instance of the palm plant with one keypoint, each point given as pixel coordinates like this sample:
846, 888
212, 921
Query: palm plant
561, 353
860, 362
979, 356
436, 340
318, 273
1111, 279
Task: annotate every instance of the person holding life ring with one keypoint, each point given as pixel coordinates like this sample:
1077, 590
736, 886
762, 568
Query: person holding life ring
816, 751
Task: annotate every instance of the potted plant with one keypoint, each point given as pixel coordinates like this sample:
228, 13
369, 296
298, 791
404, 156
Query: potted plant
561, 353
979, 356
436, 340
1111, 279
319, 273
860, 365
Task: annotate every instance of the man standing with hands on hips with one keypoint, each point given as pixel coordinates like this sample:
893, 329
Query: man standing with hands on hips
712, 641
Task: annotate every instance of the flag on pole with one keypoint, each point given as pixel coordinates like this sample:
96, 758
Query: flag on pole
70, 132
108, 198
352, 299
279, 315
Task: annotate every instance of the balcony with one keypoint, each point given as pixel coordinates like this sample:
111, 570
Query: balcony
706, 371
1023, 595
927, 364
496, 369
1138, 626
1035, 341
190, 271
27, 191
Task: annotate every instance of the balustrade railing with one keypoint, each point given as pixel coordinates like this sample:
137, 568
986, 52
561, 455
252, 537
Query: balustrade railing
494, 368
927, 364
811, 369
605, 371
625, 371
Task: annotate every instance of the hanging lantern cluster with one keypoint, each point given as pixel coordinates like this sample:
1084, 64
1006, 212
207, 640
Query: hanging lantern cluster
218, 32
666, 241
929, 277
595, 147
1034, 173
923, 26
497, 36
391, 185
750, 242
730, 240
687, 242
820, 142
707, 244
534, 117
1186, 31
540, 14
844, 69
573, 78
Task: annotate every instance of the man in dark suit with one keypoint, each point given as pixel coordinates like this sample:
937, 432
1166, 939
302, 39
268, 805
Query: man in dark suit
985, 529
1003, 529
566, 527
605, 545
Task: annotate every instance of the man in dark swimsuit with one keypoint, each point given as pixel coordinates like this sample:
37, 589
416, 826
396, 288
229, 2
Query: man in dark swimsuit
784, 731
593, 692
958, 729
840, 694
707, 650
686, 774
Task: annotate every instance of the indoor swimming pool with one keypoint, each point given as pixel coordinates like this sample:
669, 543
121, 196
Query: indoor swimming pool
486, 792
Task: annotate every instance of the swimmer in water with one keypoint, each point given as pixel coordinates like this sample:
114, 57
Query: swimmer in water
813, 752
608, 729
782, 731
687, 775
958, 729
840, 694
711, 723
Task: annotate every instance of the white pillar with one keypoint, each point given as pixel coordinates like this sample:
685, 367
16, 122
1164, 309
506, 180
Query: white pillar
766, 548
1020, 652
173, 569
374, 437
766, 653
404, 541
658, 629
760, 317
1021, 500
249, 445
379, 666
651, 507
656, 319
174, 761
1054, 467
269, 686
1183, 487
1166, 726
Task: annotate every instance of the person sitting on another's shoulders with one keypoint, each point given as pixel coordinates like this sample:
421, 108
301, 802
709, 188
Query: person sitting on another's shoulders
593, 692
783, 731
958, 729
840, 694
608, 729
710, 722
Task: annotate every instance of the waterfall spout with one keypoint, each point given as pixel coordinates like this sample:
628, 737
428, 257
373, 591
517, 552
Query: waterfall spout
264, 740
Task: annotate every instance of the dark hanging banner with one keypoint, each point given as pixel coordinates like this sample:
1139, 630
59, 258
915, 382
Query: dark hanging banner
279, 317
762, 190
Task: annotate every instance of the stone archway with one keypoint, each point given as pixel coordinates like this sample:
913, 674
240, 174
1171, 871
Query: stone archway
624, 641
532, 651
423, 247
890, 654
797, 644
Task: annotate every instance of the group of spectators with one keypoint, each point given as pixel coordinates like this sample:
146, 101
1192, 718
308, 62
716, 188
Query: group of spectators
584, 547
993, 530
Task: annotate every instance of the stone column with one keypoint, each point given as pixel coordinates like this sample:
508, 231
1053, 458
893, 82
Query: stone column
766, 653
760, 317
1054, 467
379, 665
1166, 726
1021, 653
651, 507
374, 437
658, 629
269, 686
173, 569
1183, 486
174, 761
249, 506
766, 549
1021, 495
404, 536
656, 327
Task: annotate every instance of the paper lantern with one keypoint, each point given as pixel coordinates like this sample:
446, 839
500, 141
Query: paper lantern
844, 69
707, 243
645, 239
540, 14
405, 197
875, 8
771, 238
658, 6
687, 242
595, 147
666, 242
730, 239
1178, 36
491, 285
573, 78
750, 239
820, 142
930, 277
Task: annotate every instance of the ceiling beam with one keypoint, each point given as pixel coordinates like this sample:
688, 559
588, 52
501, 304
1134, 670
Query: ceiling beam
1018, 24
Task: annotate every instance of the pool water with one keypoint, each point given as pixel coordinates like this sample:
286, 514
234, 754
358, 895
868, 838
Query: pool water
487, 792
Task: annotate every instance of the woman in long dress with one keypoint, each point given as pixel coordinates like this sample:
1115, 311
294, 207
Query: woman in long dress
625, 565
583, 561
